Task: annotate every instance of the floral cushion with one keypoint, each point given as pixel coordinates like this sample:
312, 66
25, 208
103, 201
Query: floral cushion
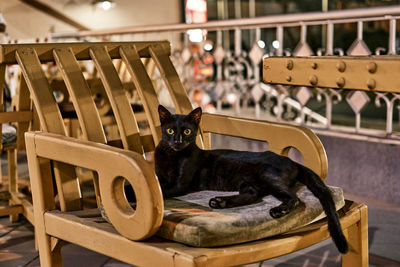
189, 219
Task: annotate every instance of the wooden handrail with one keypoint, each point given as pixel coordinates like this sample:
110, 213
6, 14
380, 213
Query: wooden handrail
280, 138
112, 165
369, 73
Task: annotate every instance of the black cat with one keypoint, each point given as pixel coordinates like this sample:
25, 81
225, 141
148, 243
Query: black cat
182, 168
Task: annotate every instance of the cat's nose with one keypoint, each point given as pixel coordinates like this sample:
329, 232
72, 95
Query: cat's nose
178, 140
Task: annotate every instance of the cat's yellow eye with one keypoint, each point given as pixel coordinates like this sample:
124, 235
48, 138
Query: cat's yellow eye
170, 131
187, 131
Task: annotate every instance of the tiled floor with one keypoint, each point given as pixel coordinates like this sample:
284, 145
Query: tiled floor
17, 246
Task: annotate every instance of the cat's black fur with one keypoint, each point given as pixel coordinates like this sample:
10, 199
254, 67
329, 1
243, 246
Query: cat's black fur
182, 168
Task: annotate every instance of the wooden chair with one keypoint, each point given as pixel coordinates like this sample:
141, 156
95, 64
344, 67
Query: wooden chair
12, 210
53, 157
22, 116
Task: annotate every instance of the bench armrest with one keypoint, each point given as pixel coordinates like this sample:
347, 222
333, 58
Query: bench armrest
112, 166
280, 137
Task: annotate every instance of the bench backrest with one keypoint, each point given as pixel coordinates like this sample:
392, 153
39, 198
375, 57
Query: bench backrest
67, 57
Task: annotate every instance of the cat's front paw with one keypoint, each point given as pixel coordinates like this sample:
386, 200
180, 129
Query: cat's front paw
278, 212
217, 203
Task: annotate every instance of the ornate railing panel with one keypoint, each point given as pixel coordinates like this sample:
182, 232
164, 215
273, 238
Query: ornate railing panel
223, 72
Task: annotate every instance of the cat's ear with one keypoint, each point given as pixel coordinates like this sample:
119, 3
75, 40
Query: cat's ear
164, 114
195, 115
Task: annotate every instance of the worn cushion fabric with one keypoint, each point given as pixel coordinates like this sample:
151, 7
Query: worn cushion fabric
189, 219
9, 135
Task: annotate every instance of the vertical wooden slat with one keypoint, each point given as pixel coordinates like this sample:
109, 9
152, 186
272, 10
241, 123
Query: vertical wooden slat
88, 116
144, 86
81, 96
175, 87
150, 66
35, 124
12, 171
51, 121
43, 200
24, 104
126, 121
12, 177
49, 113
171, 78
117, 63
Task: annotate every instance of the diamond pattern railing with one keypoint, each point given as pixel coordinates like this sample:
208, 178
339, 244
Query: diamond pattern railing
227, 78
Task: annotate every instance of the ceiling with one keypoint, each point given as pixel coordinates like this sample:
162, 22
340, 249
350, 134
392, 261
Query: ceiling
24, 21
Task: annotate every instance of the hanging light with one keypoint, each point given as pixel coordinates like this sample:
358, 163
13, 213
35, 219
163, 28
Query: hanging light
275, 44
261, 44
208, 45
196, 35
103, 4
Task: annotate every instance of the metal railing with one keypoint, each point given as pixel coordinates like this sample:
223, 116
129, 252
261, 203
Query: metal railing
227, 73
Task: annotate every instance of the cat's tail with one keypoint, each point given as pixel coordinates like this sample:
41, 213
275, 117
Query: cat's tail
322, 192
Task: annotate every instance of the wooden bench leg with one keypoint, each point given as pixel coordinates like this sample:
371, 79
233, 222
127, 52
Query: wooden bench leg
49, 251
357, 236
12, 178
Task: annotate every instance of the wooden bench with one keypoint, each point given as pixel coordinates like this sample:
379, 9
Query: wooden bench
22, 116
53, 159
